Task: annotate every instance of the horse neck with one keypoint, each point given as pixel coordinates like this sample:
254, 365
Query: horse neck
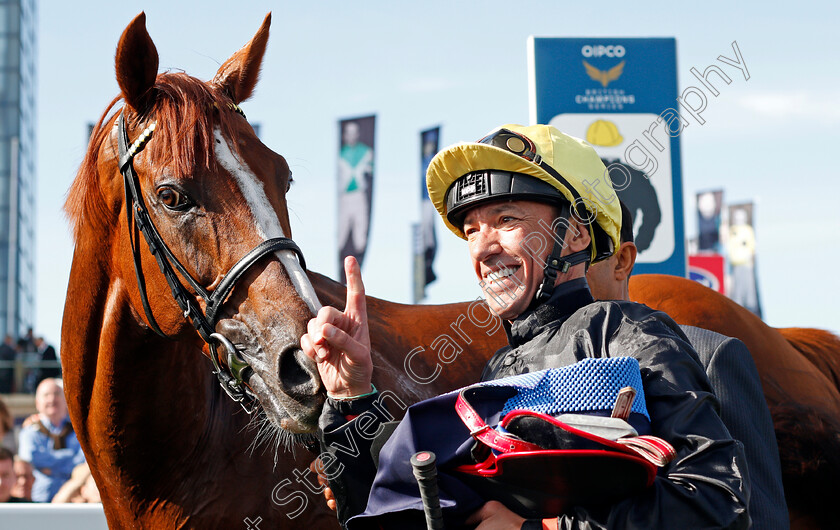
112, 359
149, 415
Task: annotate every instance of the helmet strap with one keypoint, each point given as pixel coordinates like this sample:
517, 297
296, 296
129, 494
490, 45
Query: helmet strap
554, 264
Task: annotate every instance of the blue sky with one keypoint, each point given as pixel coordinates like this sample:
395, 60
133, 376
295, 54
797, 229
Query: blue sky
463, 65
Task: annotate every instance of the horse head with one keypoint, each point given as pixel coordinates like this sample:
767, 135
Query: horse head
186, 208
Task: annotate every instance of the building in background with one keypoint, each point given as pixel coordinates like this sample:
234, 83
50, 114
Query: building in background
18, 53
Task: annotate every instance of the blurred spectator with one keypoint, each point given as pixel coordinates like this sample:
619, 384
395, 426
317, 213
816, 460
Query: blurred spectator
7, 428
7, 373
26, 352
80, 487
25, 479
27, 342
50, 445
7, 476
46, 353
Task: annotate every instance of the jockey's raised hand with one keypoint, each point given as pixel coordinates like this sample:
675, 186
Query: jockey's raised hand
339, 342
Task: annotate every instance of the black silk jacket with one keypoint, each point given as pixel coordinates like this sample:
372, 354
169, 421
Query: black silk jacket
707, 484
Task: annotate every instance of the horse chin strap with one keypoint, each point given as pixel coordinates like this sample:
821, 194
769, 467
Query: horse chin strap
234, 375
554, 264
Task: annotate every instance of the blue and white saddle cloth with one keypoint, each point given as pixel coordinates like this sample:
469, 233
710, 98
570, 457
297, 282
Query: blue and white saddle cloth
590, 386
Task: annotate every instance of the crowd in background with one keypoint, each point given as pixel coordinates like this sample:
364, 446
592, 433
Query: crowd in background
25, 362
41, 460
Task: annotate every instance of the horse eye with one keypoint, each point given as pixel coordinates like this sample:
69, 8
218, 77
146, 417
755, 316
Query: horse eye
171, 198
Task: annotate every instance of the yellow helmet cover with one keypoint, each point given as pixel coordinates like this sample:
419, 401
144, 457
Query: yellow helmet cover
575, 160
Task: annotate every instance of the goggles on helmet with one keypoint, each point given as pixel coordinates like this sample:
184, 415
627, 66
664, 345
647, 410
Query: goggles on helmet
522, 146
516, 143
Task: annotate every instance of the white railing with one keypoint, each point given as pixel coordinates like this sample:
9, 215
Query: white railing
36, 516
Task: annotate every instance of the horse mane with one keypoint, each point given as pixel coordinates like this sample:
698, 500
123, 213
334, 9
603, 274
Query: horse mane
187, 111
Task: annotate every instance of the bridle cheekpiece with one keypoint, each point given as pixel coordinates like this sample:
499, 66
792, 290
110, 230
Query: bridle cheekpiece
236, 371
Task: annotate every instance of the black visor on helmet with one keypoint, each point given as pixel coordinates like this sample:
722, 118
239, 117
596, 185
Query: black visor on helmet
489, 185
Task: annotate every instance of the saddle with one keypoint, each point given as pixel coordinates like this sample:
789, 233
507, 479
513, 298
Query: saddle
540, 443
540, 465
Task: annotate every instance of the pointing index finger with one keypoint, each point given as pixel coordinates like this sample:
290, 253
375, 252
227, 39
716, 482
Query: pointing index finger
356, 305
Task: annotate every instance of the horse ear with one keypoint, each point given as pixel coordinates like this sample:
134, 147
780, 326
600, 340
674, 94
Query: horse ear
239, 75
136, 63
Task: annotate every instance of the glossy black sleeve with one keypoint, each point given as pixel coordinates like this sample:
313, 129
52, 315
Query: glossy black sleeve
707, 484
348, 430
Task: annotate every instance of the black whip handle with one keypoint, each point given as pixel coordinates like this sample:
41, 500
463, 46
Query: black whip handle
425, 471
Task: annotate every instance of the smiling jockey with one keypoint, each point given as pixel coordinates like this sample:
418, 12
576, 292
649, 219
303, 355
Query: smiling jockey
537, 207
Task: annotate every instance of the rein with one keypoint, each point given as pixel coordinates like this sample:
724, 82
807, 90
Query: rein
234, 375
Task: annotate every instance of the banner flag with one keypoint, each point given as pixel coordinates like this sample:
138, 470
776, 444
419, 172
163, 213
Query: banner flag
418, 266
355, 187
426, 246
709, 207
741, 249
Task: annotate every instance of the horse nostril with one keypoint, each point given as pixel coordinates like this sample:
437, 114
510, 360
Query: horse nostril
294, 376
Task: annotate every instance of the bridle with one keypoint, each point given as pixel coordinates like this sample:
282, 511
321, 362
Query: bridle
234, 375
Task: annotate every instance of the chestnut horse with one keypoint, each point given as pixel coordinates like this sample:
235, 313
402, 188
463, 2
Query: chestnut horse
178, 164
166, 445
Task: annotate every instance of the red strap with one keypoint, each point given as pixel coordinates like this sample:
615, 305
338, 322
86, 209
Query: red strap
550, 524
486, 434
655, 450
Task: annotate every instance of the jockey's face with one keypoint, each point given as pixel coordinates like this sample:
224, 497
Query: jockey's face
508, 247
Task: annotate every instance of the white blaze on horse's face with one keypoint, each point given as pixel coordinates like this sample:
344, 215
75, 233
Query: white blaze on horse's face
265, 218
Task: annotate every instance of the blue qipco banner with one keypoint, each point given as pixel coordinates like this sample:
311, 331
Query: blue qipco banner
619, 95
